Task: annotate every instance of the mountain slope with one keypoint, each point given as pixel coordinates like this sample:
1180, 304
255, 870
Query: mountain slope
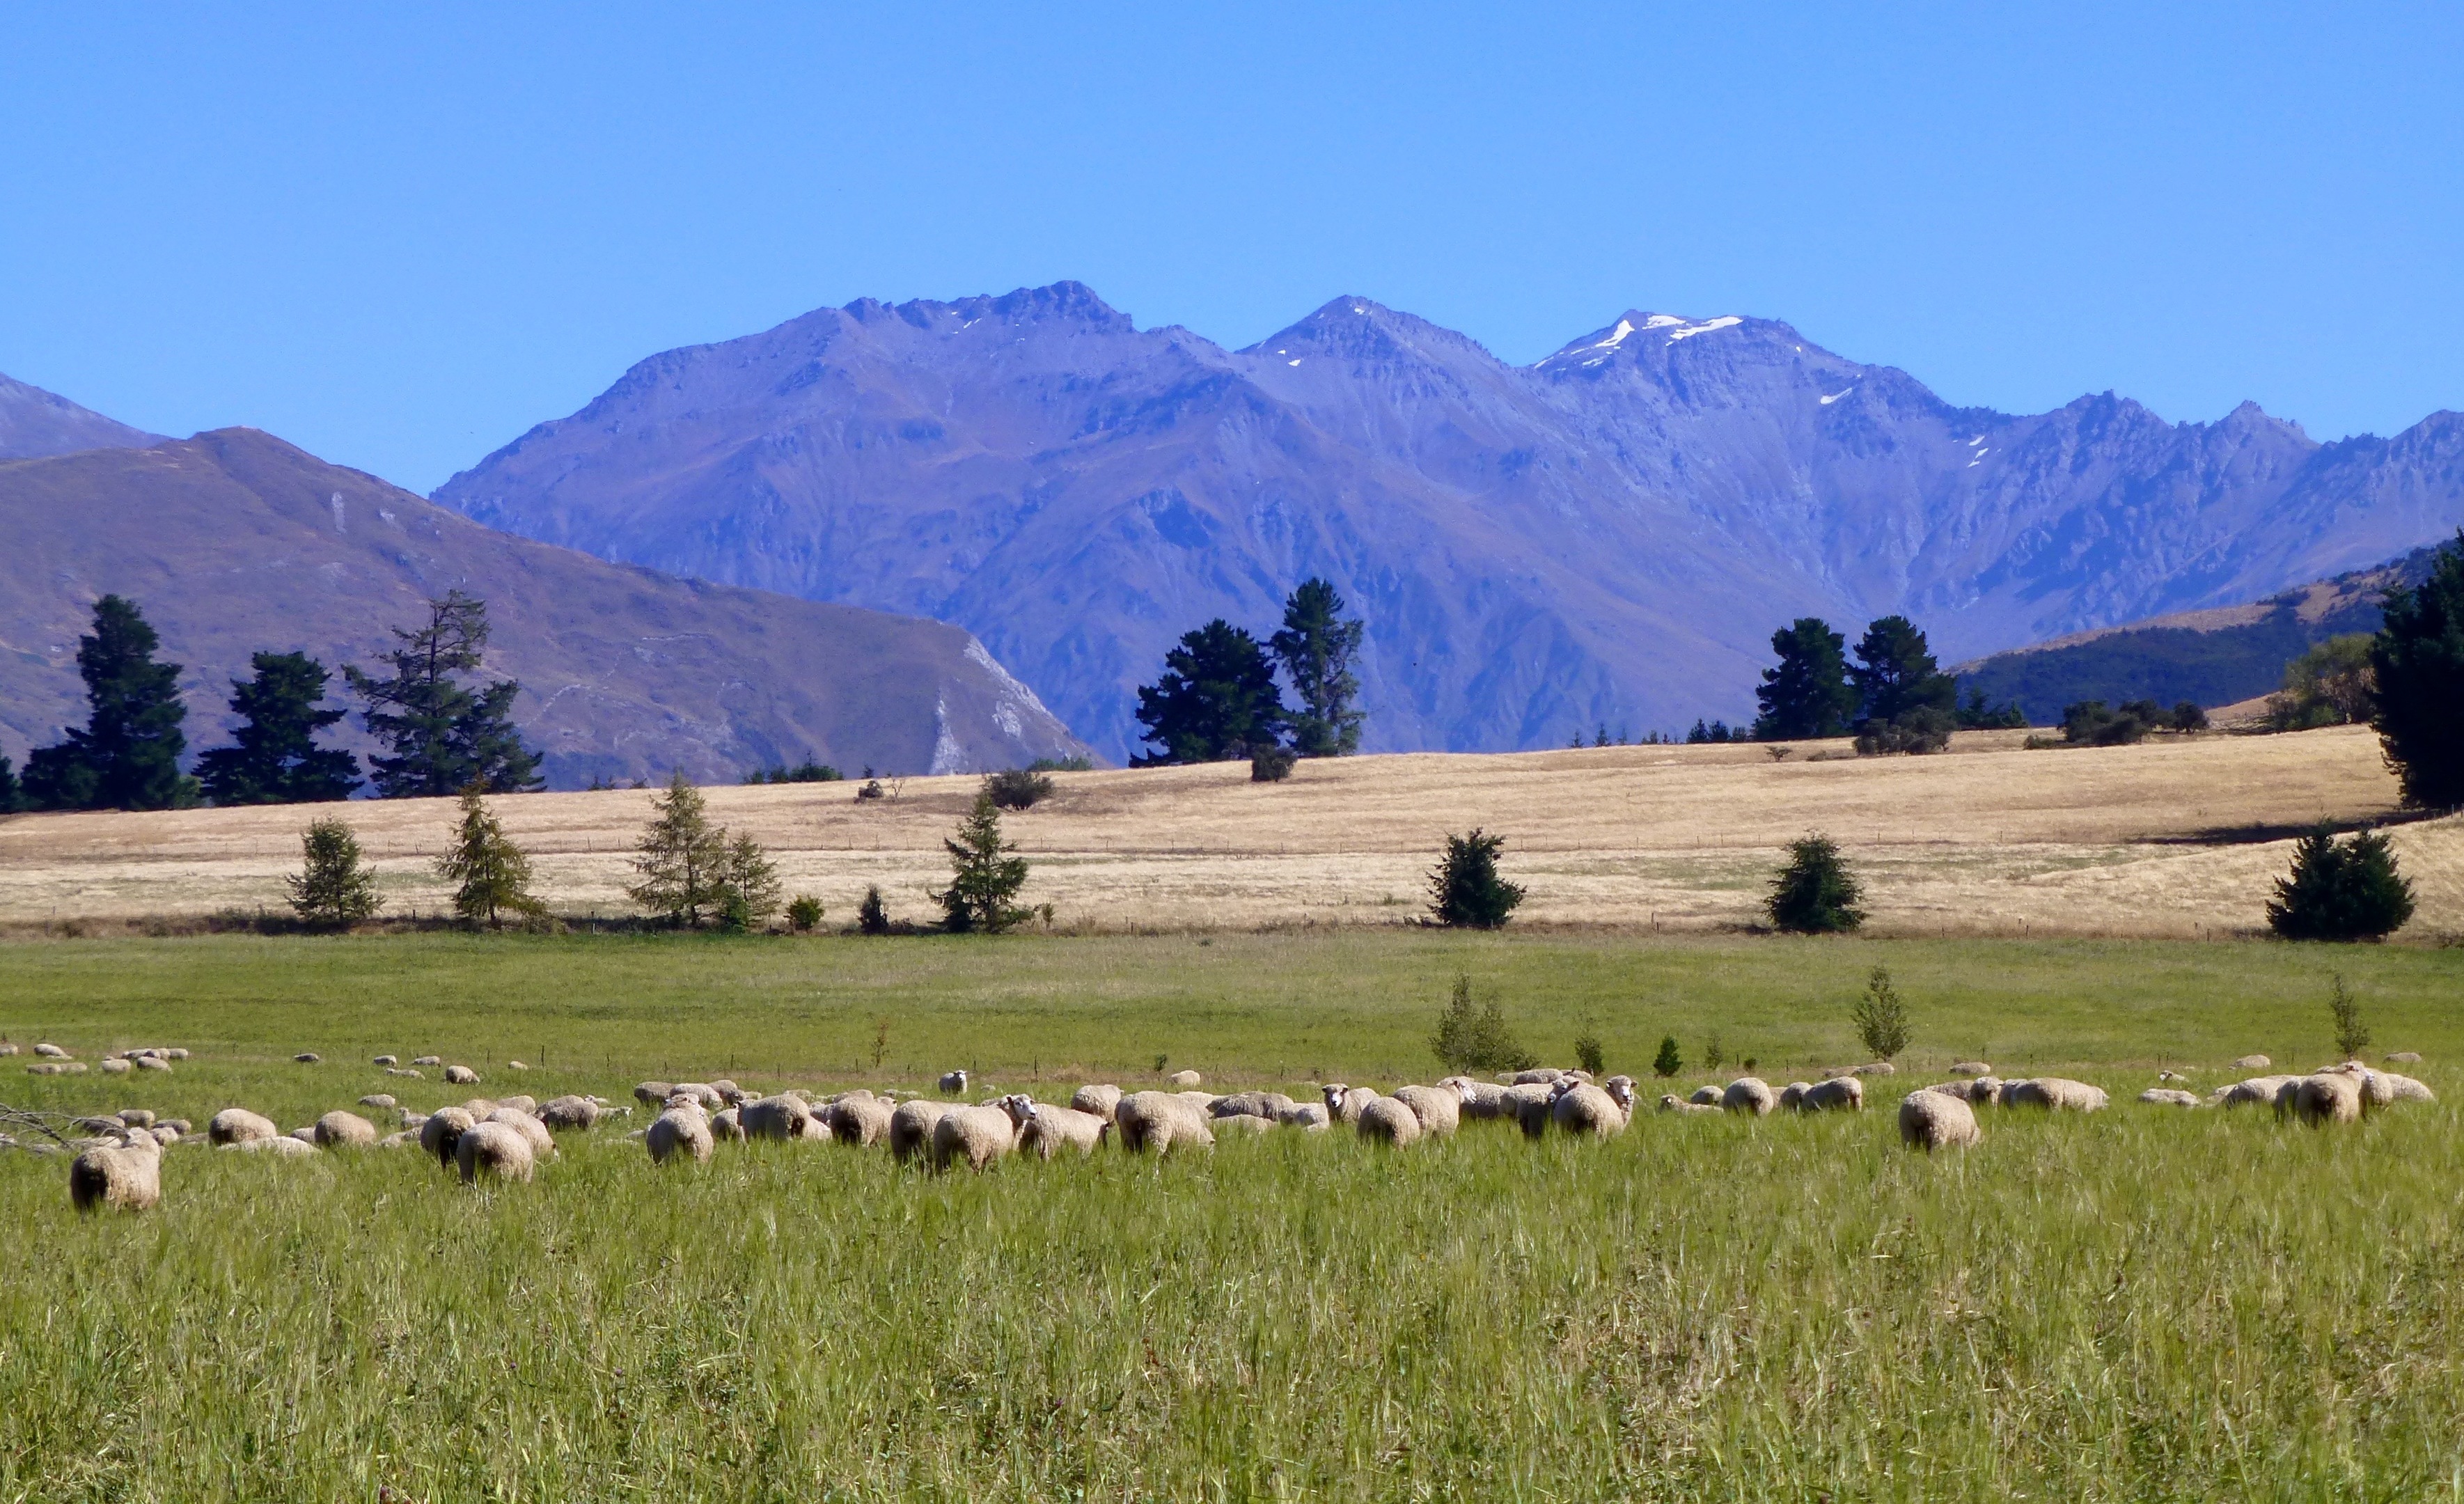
233, 542
35, 423
1609, 534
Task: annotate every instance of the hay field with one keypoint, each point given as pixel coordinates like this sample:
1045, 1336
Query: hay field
2175, 838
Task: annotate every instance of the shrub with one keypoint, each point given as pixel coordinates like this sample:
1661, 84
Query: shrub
1271, 765
334, 887
1017, 788
2188, 717
2091, 723
872, 917
2330, 685
2340, 892
1591, 1055
1915, 732
1668, 1062
1464, 889
2352, 1035
804, 912
1469, 1040
1714, 1053
1880, 1018
871, 789
1814, 894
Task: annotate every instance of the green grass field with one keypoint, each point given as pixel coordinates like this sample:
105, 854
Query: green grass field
2137, 1304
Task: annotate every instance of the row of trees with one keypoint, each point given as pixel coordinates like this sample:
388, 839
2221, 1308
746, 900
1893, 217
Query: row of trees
1218, 700
443, 730
1894, 695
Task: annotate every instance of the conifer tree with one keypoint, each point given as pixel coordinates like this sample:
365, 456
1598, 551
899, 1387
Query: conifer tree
1217, 700
984, 876
682, 857
1316, 646
873, 916
1808, 695
1468, 1039
2340, 892
127, 756
444, 735
335, 886
1465, 887
274, 758
749, 888
1814, 894
1894, 673
1668, 1062
2417, 668
492, 875
12, 798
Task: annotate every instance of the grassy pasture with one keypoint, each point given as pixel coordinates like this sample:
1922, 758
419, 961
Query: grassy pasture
2138, 1304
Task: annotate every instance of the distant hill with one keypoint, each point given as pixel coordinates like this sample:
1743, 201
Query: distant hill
1609, 535
35, 423
2213, 657
234, 540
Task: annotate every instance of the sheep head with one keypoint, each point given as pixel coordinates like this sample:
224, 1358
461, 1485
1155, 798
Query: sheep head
1335, 1091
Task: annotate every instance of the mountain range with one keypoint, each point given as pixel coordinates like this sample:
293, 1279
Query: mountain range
234, 540
1608, 536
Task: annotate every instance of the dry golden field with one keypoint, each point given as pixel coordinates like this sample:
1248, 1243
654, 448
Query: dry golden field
2173, 838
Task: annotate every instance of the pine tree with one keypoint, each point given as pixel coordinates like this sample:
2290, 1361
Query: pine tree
335, 886
682, 857
2417, 668
748, 884
873, 916
1894, 673
1469, 1039
1668, 1062
12, 796
1464, 889
444, 735
1808, 695
2340, 892
1814, 894
1216, 700
273, 759
1880, 1018
1316, 647
2344, 1011
984, 876
127, 757
492, 875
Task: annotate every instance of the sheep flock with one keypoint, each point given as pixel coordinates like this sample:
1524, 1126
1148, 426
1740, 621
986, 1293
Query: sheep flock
117, 1162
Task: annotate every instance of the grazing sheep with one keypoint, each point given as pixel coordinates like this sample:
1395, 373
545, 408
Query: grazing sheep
977, 1135
307, 1058
427, 1060
1100, 1101
860, 1119
380, 1101
1532, 1103
2319, 1099
775, 1117
239, 1125
1186, 1079
726, 1124
1345, 1103
478, 1107
534, 1131
116, 1067
570, 1113
679, 1131
1482, 1100
1971, 1067
51, 1053
1537, 1075
1843, 1095
2256, 1090
1931, 1121
2166, 1096
733, 1094
281, 1147
344, 1131
703, 1093
495, 1149
2058, 1093
461, 1075
520, 1103
1674, 1103
651, 1094
1162, 1123
1268, 1105
442, 1127
1439, 1112
1793, 1094
516, 1065
134, 1117
126, 1176
2404, 1057
1585, 1109
1385, 1119
407, 1072
1876, 1068
1048, 1130
911, 1127
386, 1060
1749, 1093
2253, 1063
955, 1083
2393, 1088
1307, 1117
1707, 1096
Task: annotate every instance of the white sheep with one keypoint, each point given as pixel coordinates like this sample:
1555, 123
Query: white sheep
2054, 1092
2327, 1097
534, 1133
1268, 1105
1537, 1075
1931, 1121
520, 1103
1045, 1131
461, 1075
1439, 1112
1161, 1122
1708, 1097
1307, 1117
911, 1127
653, 1093
495, 1149
2404, 1057
383, 1101
1793, 1094
1844, 1093
427, 1060
1674, 1103
977, 1135
679, 1131
281, 1147
777, 1118
338, 1130
955, 1083
239, 1125
727, 1124
2168, 1096
1099, 1099
442, 1129
1186, 1079
1345, 1103
126, 1176
1385, 1119
386, 1060
1482, 1100
1971, 1067
1749, 1093
116, 1067
860, 1119
2253, 1063
1584, 1109
2257, 1090
570, 1113
49, 1052
733, 1094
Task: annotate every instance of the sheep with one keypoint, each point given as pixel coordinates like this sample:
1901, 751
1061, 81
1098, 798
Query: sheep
726, 1124
570, 1113
1584, 1109
51, 1053
344, 1131
679, 1129
1674, 1103
386, 1060
1268, 1105
1749, 1093
461, 1075
1530, 1103
479, 1107
1385, 1119
1186, 1079
777, 1118
1971, 1067
1707, 1096
1344, 1103
1483, 1101
650, 1093
1100, 1101
1307, 1117
2253, 1063
733, 1094
1047, 1131
239, 1125
1793, 1094
2243, 1094
2400, 1089
135, 1118
701, 1092
859, 1119
116, 1067
1841, 1094
978, 1135
1537, 1075
542, 1145
1161, 1122
126, 1176
1931, 1121
308, 1057
383, 1101
406, 1074
7, 1049
1439, 1112
2058, 1093
2166, 1096
2323, 1098
520, 1103
1245, 1126
2404, 1057
911, 1127
281, 1147
427, 1060
1876, 1068
443, 1126
154, 1063
495, 1149
954, 1084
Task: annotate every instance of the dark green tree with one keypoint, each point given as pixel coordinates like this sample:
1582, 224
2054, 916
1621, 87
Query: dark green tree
984, 877
681, 857
1217, 700
873, 916
1808, 695
1464, 889
1894, 673
1668, 1062
1814, 894
12, 797
2417, 668
1316, 647
335, 886
127, 757
2348, 891
1470, 1039
804, 912
445, 736
274, 758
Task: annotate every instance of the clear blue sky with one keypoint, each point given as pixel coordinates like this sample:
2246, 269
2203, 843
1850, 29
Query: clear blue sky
400, 235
